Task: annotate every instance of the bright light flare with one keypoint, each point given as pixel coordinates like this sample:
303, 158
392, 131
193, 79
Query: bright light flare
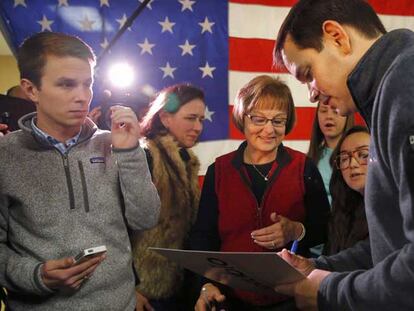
121, 75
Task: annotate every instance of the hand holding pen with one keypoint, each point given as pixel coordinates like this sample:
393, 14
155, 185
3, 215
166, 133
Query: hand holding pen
303, 265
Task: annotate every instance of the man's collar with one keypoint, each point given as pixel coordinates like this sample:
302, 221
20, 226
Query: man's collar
49, 139
367, 75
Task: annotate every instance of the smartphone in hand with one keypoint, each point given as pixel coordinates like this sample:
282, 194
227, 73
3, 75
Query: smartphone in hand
88, 253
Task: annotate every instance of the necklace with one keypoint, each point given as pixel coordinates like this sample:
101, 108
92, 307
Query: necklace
265, 177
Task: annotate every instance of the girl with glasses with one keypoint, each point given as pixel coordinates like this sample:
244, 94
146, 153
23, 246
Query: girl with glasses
348, 223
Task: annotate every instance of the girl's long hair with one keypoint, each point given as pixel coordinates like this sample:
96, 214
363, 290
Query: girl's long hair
348, 223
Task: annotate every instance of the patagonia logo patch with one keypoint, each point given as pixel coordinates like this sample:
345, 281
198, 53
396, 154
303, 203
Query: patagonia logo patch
97, 160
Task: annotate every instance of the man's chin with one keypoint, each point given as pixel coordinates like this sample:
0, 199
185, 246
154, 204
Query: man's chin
75, 123
78, 120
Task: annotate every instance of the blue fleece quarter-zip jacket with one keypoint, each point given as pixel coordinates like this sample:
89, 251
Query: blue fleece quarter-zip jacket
382, 277
54, 205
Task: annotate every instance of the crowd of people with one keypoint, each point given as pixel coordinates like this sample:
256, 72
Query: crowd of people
66, 185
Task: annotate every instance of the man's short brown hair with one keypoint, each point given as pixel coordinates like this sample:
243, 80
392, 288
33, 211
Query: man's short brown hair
305, 19
31, 56
264, 92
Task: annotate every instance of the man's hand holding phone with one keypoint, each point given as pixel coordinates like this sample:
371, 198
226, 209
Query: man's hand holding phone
68, 273
88, 253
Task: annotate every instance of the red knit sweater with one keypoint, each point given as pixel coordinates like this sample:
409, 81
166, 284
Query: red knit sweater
240, 214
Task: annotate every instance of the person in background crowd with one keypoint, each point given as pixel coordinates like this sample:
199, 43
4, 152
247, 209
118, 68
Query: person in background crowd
18, 92
328, 127
66, 186
348, 223
170, 128
262, 196
373, 73
13, 106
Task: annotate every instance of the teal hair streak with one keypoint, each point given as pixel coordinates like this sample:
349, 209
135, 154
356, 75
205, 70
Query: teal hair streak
172, 103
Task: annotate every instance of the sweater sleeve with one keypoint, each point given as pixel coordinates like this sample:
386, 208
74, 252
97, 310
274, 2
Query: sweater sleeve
354, 258
316, 206
389, 284
141, 200
17, 273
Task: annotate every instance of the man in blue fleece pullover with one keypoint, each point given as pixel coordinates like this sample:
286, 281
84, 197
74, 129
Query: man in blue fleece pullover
66, 186
342, 51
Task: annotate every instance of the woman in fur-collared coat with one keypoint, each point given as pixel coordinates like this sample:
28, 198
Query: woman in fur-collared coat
171, 126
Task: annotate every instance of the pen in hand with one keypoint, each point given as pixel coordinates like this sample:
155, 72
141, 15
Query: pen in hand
294, 247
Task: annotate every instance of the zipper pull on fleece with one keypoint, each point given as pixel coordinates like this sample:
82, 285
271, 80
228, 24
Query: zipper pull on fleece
65, 160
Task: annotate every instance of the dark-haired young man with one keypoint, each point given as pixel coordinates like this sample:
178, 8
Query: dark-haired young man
342, 51
66, 186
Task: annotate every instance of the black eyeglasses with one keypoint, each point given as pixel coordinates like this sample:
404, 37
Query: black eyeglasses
343, 160
261, 121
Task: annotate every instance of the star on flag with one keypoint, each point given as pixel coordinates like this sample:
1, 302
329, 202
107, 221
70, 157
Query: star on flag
45, 23
168, 71
207, 70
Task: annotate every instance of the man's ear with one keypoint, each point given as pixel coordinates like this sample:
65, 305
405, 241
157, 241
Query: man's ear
30, 90
165, 118
337, 35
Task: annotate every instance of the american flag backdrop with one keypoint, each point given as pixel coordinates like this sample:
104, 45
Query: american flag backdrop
218, 45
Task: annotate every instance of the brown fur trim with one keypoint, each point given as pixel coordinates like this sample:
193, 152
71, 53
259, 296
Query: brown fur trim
177, 185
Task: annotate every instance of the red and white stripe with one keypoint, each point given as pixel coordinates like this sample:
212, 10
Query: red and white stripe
253, 27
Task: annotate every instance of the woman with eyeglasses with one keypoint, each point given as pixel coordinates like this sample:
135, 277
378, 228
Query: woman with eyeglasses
261, 197
348, 223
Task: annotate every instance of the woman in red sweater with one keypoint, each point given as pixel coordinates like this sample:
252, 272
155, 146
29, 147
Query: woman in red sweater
262, 196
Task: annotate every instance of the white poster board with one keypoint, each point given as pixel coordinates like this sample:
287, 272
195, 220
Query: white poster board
258, 272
